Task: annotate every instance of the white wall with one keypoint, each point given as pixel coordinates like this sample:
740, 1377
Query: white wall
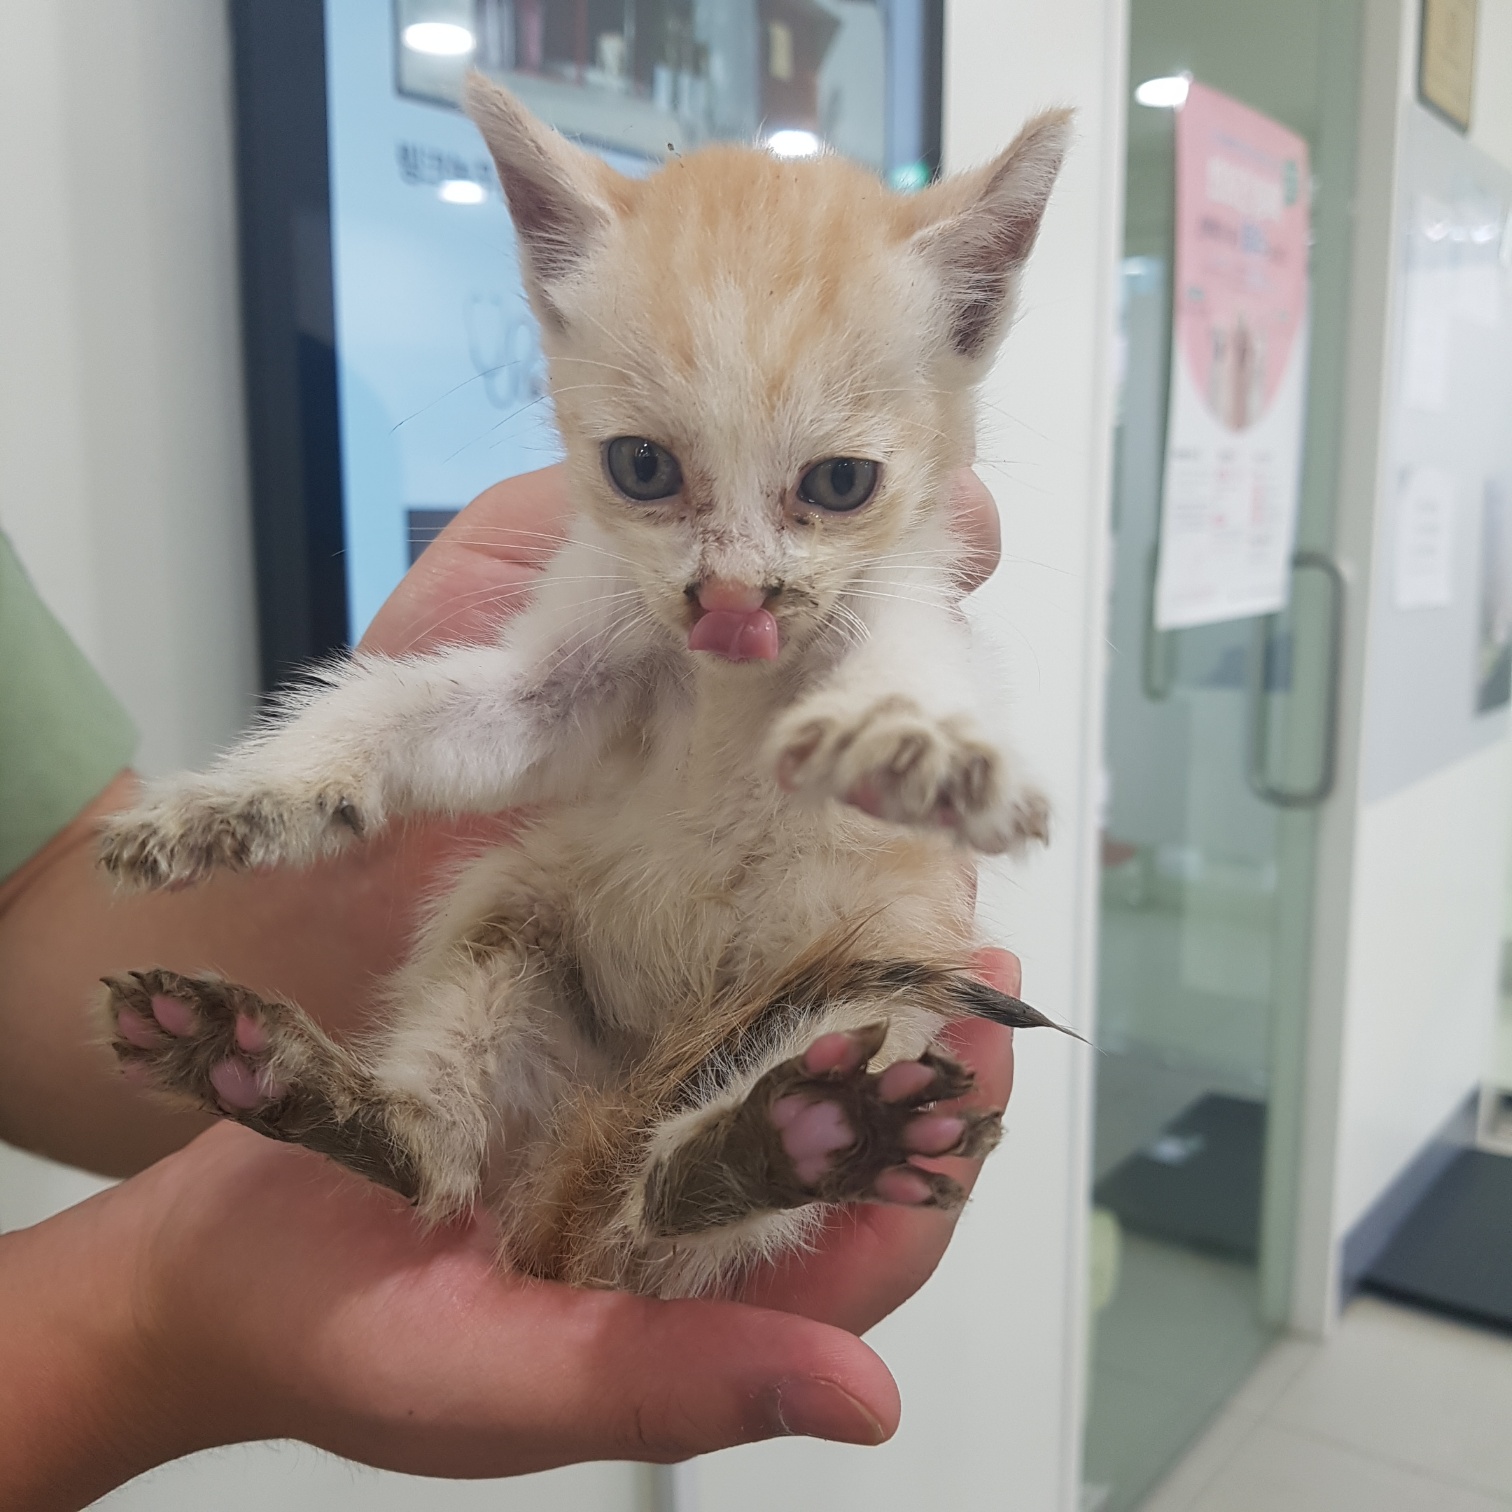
1491, 117
1426, 946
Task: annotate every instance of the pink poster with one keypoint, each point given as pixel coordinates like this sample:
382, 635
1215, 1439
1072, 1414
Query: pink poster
1238, 364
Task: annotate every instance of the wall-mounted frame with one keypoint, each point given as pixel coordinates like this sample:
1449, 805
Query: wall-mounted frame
1446, 59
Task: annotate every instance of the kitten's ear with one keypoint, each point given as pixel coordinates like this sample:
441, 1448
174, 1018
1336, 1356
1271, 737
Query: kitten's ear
562, 199
983, 229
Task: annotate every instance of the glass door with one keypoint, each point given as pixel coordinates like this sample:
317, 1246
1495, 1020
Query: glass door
1219, 753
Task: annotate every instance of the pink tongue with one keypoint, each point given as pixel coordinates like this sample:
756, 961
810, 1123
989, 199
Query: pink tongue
737, 635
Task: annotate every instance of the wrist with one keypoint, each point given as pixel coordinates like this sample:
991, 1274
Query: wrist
89, 1397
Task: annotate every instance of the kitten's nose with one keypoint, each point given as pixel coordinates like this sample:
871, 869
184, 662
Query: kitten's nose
724, 593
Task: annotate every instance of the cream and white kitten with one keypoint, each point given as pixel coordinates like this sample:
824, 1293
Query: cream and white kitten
642, 1035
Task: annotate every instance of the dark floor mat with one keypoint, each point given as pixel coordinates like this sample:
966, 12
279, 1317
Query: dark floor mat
1454, 1251
1198, 1182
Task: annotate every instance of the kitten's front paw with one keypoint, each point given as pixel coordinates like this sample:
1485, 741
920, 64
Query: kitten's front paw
185, 833
852, 1136
894, 761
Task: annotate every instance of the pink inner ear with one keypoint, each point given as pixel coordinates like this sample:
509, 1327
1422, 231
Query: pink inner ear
736, 635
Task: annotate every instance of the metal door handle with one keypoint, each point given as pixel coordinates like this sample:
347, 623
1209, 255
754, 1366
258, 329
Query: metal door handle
1259, 779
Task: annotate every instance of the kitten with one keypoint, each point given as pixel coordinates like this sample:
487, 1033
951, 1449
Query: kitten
641, 1035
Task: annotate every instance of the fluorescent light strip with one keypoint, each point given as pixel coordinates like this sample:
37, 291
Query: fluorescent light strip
438, 39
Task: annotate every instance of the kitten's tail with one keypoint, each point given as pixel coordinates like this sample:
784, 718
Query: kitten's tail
953, 993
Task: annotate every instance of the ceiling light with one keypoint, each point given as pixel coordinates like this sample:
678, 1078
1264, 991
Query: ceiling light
462, 192
1168, 93
793, 143
440, 39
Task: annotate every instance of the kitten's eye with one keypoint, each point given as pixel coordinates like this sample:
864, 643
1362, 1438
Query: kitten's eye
641, 469
839, 485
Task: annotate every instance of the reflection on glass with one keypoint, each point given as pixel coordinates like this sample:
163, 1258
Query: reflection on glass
648, 75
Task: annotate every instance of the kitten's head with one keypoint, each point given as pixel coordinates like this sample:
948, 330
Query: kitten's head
763, 369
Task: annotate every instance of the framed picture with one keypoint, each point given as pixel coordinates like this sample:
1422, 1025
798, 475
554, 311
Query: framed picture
1446, 59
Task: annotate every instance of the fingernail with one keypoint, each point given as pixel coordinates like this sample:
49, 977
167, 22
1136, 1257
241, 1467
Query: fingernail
820, 1409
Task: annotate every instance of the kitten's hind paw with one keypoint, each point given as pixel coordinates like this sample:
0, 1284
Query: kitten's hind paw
822, 1128
263, 1063
182, 835
851, 1135
893, 760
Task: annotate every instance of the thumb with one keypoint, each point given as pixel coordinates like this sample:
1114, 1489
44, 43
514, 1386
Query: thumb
668, 1380
708, 1375
543, 1375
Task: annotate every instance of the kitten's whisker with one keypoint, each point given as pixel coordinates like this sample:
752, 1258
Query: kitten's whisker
599, 362
482, 373
505, 532
512, 415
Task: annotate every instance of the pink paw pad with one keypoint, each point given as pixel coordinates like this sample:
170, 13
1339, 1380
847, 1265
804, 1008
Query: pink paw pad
250, 1036
902, 1186
811, 1133
176, 1017
834, 1054
904, 1079
135, 1030
933, 1133
240, 1087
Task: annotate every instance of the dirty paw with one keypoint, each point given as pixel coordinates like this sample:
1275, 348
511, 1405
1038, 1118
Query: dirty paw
182, 835
260, 1062
849, 1135
894, 761
206, 1040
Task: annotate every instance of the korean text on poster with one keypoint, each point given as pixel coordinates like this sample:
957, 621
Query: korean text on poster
1238, 364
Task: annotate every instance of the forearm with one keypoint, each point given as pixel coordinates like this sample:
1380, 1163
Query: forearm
321, 936
83, 1406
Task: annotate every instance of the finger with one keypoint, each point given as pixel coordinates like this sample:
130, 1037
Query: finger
707, 1375
481, 569
999, 968
987, 1049
975, 516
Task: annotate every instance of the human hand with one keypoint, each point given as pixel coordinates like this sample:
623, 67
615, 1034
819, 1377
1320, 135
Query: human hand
278, 1296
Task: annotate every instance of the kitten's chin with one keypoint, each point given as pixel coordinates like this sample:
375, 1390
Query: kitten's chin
736, 635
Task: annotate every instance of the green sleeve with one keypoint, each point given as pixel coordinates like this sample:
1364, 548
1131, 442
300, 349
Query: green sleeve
62, 735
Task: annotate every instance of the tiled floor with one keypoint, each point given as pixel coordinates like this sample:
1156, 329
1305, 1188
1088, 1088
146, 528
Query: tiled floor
1399, 1412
